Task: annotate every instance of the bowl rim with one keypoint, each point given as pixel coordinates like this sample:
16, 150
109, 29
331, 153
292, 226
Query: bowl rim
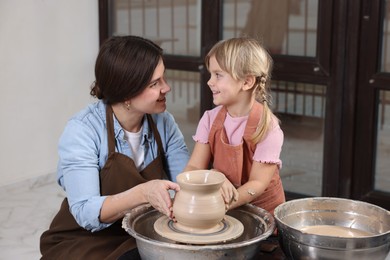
284, 204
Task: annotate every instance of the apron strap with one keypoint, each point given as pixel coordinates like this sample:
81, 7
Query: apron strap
110, 130
160, 150
111, 135
151, 123
253, 120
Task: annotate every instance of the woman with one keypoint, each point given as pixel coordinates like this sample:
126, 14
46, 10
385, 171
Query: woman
114, 154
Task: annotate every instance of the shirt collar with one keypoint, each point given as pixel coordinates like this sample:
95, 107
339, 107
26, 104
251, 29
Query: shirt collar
118, 130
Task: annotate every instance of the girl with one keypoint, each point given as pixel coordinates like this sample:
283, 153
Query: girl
241, 137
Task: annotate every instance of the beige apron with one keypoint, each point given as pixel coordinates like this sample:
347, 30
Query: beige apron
235, 161
65, 239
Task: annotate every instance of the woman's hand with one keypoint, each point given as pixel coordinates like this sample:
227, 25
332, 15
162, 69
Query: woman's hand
229, 193
156, 193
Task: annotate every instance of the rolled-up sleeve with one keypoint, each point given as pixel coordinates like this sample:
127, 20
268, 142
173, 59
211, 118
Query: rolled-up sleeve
78, 172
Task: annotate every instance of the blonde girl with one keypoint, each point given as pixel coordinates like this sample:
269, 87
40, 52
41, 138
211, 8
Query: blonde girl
241, 137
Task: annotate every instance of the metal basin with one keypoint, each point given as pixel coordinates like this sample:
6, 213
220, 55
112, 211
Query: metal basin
258, 225
293, 215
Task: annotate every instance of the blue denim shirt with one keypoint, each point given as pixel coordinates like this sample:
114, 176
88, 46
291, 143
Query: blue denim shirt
83, 151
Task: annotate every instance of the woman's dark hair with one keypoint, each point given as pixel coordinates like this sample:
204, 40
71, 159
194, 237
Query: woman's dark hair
124, 67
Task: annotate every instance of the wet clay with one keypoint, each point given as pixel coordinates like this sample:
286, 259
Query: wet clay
228, 229
199, 203
335, 231
199, 210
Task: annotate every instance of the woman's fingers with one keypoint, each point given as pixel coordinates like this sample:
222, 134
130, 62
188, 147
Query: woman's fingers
156, 193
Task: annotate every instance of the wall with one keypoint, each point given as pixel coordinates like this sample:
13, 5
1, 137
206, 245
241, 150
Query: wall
47, 54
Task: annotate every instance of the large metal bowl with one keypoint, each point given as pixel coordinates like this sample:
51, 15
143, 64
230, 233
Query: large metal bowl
293, 215
258, 225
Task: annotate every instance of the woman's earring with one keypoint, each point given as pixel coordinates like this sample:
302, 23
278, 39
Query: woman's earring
127, 106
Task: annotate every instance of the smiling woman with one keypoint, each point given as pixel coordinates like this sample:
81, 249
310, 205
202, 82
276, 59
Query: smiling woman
152, 99
116, 154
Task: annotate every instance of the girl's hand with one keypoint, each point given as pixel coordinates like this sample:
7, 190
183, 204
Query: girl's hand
156, 193
229, 193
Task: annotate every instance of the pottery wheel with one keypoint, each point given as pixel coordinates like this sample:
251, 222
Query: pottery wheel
229, 228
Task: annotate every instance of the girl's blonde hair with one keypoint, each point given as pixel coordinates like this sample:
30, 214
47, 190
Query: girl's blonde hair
242, 57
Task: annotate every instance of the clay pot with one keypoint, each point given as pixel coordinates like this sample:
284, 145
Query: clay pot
199, 203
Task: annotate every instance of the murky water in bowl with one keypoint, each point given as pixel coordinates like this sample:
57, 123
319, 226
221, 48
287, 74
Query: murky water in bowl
335, 231
293, 215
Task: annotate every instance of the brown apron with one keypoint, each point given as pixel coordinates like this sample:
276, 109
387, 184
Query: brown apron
65, 239
235, 161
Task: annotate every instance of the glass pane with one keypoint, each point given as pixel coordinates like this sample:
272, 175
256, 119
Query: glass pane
382, 176
184, 101
284, 26
301, 109
385, 62
173, 24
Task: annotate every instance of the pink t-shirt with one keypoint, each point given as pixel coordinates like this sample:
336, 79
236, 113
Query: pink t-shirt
267, 151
